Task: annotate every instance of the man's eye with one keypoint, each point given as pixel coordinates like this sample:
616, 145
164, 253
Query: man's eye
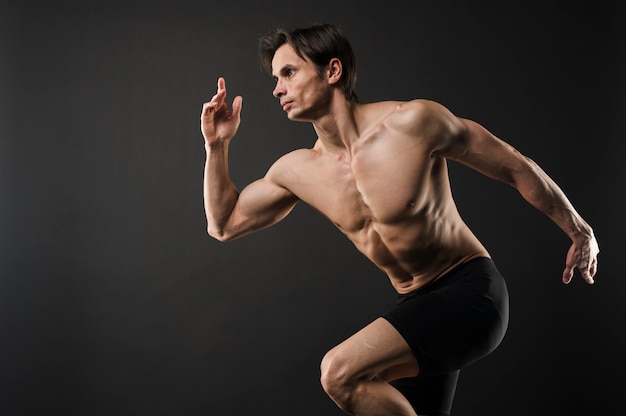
290, 72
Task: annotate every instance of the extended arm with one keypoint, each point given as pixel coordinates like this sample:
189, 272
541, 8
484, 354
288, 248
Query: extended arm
230, 213
474, 146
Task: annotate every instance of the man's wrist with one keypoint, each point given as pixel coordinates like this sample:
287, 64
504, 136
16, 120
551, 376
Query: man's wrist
212, 146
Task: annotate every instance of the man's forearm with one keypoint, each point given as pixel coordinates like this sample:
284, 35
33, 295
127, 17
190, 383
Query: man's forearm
220, 194
544, 194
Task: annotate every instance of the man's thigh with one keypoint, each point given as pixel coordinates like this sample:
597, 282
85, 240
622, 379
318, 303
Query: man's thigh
377, 350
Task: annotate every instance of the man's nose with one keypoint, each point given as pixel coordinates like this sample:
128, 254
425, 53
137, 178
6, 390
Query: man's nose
279, 90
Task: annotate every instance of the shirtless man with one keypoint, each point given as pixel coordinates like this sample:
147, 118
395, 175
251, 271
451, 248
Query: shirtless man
378, 172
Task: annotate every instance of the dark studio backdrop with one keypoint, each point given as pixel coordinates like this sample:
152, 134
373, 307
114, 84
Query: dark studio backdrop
114, 301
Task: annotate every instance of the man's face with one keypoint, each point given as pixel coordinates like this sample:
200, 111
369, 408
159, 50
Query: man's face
302, 91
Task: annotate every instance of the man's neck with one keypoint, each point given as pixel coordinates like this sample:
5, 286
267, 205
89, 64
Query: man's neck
338, 129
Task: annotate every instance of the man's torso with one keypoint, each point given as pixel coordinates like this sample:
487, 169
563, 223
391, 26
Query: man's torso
390, 196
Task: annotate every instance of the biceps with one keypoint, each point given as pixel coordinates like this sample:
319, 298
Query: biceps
261, 204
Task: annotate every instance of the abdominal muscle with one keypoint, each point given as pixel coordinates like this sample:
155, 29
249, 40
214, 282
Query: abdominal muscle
415, 252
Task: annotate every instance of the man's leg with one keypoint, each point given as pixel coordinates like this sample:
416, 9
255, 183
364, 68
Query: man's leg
429, 395
355, 373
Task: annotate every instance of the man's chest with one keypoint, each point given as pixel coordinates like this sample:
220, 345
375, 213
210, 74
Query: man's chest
383, 188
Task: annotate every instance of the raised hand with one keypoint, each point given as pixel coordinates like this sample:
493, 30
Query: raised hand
218, 123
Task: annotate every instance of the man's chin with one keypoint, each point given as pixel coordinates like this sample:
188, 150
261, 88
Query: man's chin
299, 116
293, 116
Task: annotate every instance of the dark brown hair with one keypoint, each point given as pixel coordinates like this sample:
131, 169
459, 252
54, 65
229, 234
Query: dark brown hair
319, 43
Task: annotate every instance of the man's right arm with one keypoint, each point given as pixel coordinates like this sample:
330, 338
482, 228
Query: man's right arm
230, 213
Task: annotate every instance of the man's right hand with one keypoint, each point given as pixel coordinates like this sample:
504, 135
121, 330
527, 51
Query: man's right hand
218, 123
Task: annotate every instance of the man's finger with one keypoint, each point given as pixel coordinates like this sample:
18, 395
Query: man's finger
567, 275
587, 277
210, 108
588, 273
237, 104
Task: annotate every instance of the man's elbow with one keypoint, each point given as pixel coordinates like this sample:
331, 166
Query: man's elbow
219, 234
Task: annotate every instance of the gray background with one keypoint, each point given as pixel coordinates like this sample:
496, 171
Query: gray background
114, 301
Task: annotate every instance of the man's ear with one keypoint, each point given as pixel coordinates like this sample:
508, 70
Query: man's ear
334, 71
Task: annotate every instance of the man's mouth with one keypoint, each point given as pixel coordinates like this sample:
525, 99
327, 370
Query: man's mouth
286, 105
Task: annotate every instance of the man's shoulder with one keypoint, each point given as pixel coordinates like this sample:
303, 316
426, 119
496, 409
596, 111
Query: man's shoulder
410, 115
292, 160
418, 107
294, 168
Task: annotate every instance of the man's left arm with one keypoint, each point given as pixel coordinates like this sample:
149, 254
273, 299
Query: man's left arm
474, 146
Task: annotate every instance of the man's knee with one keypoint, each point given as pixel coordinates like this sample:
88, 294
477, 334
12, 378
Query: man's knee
337, 378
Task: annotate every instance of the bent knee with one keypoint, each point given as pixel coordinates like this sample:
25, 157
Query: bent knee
336, 376
342, 381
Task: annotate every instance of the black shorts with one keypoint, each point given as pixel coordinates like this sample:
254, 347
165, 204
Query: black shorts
450, 323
